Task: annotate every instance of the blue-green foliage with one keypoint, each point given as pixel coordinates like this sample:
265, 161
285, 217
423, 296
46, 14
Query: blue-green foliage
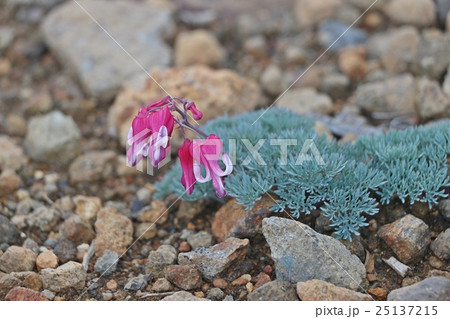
410, 165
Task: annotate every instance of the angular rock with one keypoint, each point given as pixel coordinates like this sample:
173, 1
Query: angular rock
216, 92
43, 218
65, 249
200, 239
441, 245
159, 259
396, 94
156, 212
162, 285
29, 279
185, 277
77, 229
430, 289
53, 138
99, 63
8, 282
12, 155
419, 13
17, 259
430, 100
145, 231
306, 100
92, 166
318, 290
9, 234
212, 261
274, 291
300, 254
408, 237
215, 294
233, 220
87, 207
182, 296
107, 264
189, 210
198, 47
24, 294
46, 259
69, 275
137, 283
114, 231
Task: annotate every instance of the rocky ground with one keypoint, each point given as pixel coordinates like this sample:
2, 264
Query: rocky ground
70, 207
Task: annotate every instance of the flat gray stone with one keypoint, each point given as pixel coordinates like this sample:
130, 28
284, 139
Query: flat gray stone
301, 254
100, 64
430, 289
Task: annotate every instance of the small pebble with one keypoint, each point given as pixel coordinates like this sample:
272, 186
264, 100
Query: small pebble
112, 285
220, 283
244, 279
249, 287
184, 247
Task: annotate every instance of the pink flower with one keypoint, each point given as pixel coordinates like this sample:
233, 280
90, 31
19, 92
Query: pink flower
195, 112
161, 124
187, 164
206, 154
154, 122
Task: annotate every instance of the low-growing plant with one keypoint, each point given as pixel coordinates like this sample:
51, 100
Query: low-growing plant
347, 182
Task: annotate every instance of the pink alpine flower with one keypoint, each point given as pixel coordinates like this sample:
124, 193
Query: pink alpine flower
150, 134
207, 154
155, 123
187, 164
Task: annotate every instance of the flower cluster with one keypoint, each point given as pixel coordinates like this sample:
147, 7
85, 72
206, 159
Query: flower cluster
150, 133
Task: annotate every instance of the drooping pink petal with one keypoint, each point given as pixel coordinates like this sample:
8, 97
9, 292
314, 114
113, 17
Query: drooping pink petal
162, 102
187, 164
215, 167
218, 186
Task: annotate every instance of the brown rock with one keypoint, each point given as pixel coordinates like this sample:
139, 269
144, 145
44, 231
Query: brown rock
198, 47
352, 62
233, 220
46, 259
380, 293
401, 50
17, 259
263, 279
8, 282
162, 285
145, 231
310, 13
243, 280
220, 283
11, 156
114, 231
318, 290
430, 100
215, 92
24, 294
268, 269
155, 213
87, 207
92, 166
420, 13
31, 280
112, 285
184, 247
9, 182
408, 237
212, 261
185, 277
77, 229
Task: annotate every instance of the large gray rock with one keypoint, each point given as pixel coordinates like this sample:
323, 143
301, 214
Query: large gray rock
98, 61
441, 245
430, 289
301, 254
53, 138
